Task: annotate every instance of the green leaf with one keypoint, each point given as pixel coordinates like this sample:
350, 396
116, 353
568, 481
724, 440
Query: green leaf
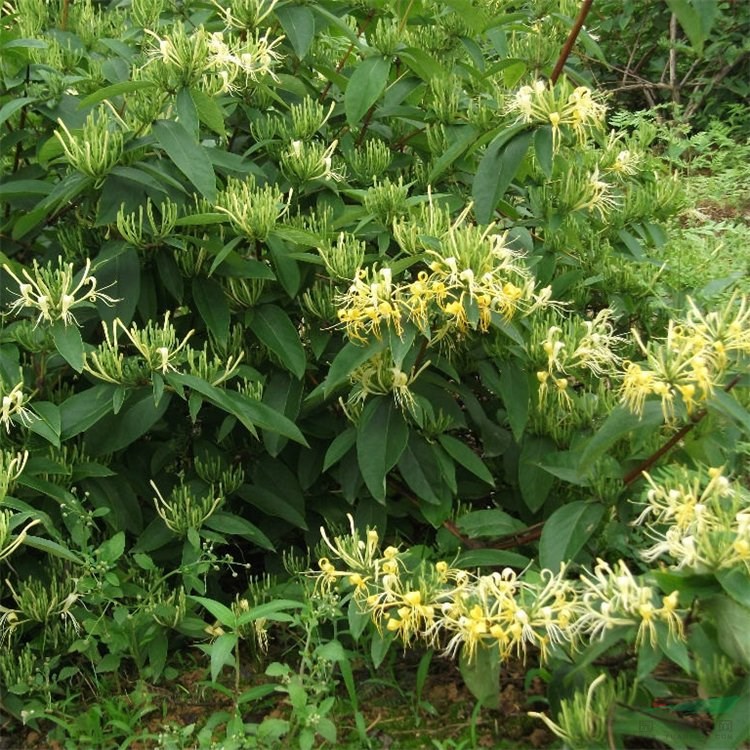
283, 393
462, 454
209, 111
736, 583
633, 244
69, 344
732, 729
188, 156
298, 23
137, 417
672, 733
493, 558
285, 267
732, 626
221, 653
187, 114
229, 523
543, 142
619, 423
564, 465
365, 87
491, 522
221, 612
534, 482
727, 405
566, 531
10, 108
120, 271
23, 188
274, 328
269, 611
52, 548
112, 549
249, 412
497, 169
213, 307
514, 390
422, 63
382, 435
349, 357
65, 191
379, 646
339, 447
466, 136
48, 421
420, 470
276, 505
482, 675
695, 24
83, 410
116, 89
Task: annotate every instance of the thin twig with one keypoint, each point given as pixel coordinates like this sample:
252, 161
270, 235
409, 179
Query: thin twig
571, 40
673, 59
629, 478
347, 54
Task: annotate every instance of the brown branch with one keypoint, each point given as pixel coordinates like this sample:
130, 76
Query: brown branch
532, 533
629, 478
718, 78
673, 59
571, 40
347, 54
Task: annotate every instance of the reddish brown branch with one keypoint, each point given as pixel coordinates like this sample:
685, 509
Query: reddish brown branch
347, 54
631, 477
571, 40
534, 532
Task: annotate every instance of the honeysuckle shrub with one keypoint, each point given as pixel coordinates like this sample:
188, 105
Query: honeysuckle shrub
268, 264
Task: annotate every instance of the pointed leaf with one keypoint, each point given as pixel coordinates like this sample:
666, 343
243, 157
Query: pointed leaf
365, 87
213, 307
349, 358
619, 423
382, 435
188, 155
496, 171
229, 523
69, 344
461, 453
274, 328
298, 23
221, 612
566, 531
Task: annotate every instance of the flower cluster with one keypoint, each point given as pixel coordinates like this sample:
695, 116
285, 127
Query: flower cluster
699, 519
159, 349
97, 148
615, 598
472, 280
212, 60
573, 349
13, 404
559, 105
54, 293
305, 161
252, 210
463, 611
691, 360
381, 375
184, 510
11, 467
582, 721
7, 545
